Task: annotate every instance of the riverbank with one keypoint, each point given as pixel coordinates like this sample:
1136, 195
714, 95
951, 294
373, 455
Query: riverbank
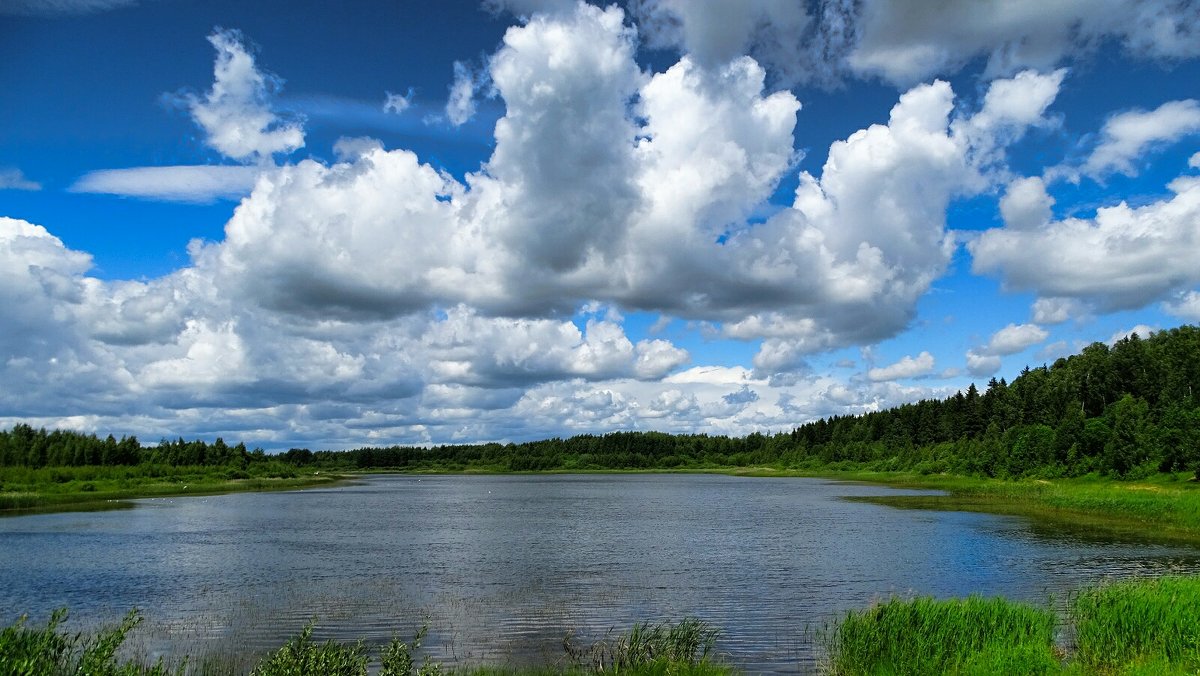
61, 489
1137, 626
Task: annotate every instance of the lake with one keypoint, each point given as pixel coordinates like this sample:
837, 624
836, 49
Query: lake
503, 567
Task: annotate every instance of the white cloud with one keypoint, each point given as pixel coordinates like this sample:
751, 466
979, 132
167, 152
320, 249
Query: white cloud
1143, 331
1014, 338
981, 365
714, 34
1124, 257
1055, 310
14, 179
1025, 205
1127, 136
397, 103
907, 367
1186, 306
236, 113
1194, 161
905, 42
379, 299
460, 107
174, 184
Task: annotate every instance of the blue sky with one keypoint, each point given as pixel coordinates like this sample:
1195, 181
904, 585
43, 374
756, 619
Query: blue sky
390, 222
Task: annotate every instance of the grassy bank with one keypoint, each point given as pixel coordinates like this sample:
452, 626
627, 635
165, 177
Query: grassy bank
24, 490
1146, 626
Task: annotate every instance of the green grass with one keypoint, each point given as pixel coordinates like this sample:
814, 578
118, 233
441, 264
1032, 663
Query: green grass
1148, 624
958, 636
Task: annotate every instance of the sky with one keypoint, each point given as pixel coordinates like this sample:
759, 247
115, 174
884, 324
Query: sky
330, 225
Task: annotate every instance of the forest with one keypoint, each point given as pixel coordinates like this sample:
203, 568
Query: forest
1127, 411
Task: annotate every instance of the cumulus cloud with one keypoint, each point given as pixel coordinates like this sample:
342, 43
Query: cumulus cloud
1125, 257
982, 365
1025, 204
1186, 306
907, 367
174, 184
380, 294
907, 42
14, 179
1055, 310
714, 34
236, 113
1014, 338
1126, 136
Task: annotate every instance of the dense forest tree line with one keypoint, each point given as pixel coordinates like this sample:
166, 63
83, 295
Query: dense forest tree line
1126, 411
24, 446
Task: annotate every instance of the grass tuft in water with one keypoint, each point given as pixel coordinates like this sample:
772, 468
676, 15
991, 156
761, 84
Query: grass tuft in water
1152, 624
647, 648
959, 636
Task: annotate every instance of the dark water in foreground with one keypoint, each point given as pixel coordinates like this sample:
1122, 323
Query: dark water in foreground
502, 567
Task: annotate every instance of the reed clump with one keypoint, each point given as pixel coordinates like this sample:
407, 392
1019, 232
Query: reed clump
921, 636
1150, 624
686, 646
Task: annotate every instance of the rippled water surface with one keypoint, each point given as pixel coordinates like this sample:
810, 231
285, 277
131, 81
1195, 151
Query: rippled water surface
502, 567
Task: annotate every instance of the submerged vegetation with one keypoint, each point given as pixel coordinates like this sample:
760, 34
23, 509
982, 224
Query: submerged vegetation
1139, 626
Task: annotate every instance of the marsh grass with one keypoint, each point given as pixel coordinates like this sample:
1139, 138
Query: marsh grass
958, 636
1152, 624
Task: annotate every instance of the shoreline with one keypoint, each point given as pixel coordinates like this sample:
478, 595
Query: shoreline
1166, 509
24, 503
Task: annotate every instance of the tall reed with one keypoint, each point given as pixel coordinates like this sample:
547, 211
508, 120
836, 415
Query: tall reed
1153, 622
959, 636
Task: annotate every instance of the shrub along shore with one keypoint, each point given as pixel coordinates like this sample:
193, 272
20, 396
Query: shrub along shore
1136, 626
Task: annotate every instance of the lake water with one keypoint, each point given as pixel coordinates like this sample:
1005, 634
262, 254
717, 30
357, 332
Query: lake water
502, 567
